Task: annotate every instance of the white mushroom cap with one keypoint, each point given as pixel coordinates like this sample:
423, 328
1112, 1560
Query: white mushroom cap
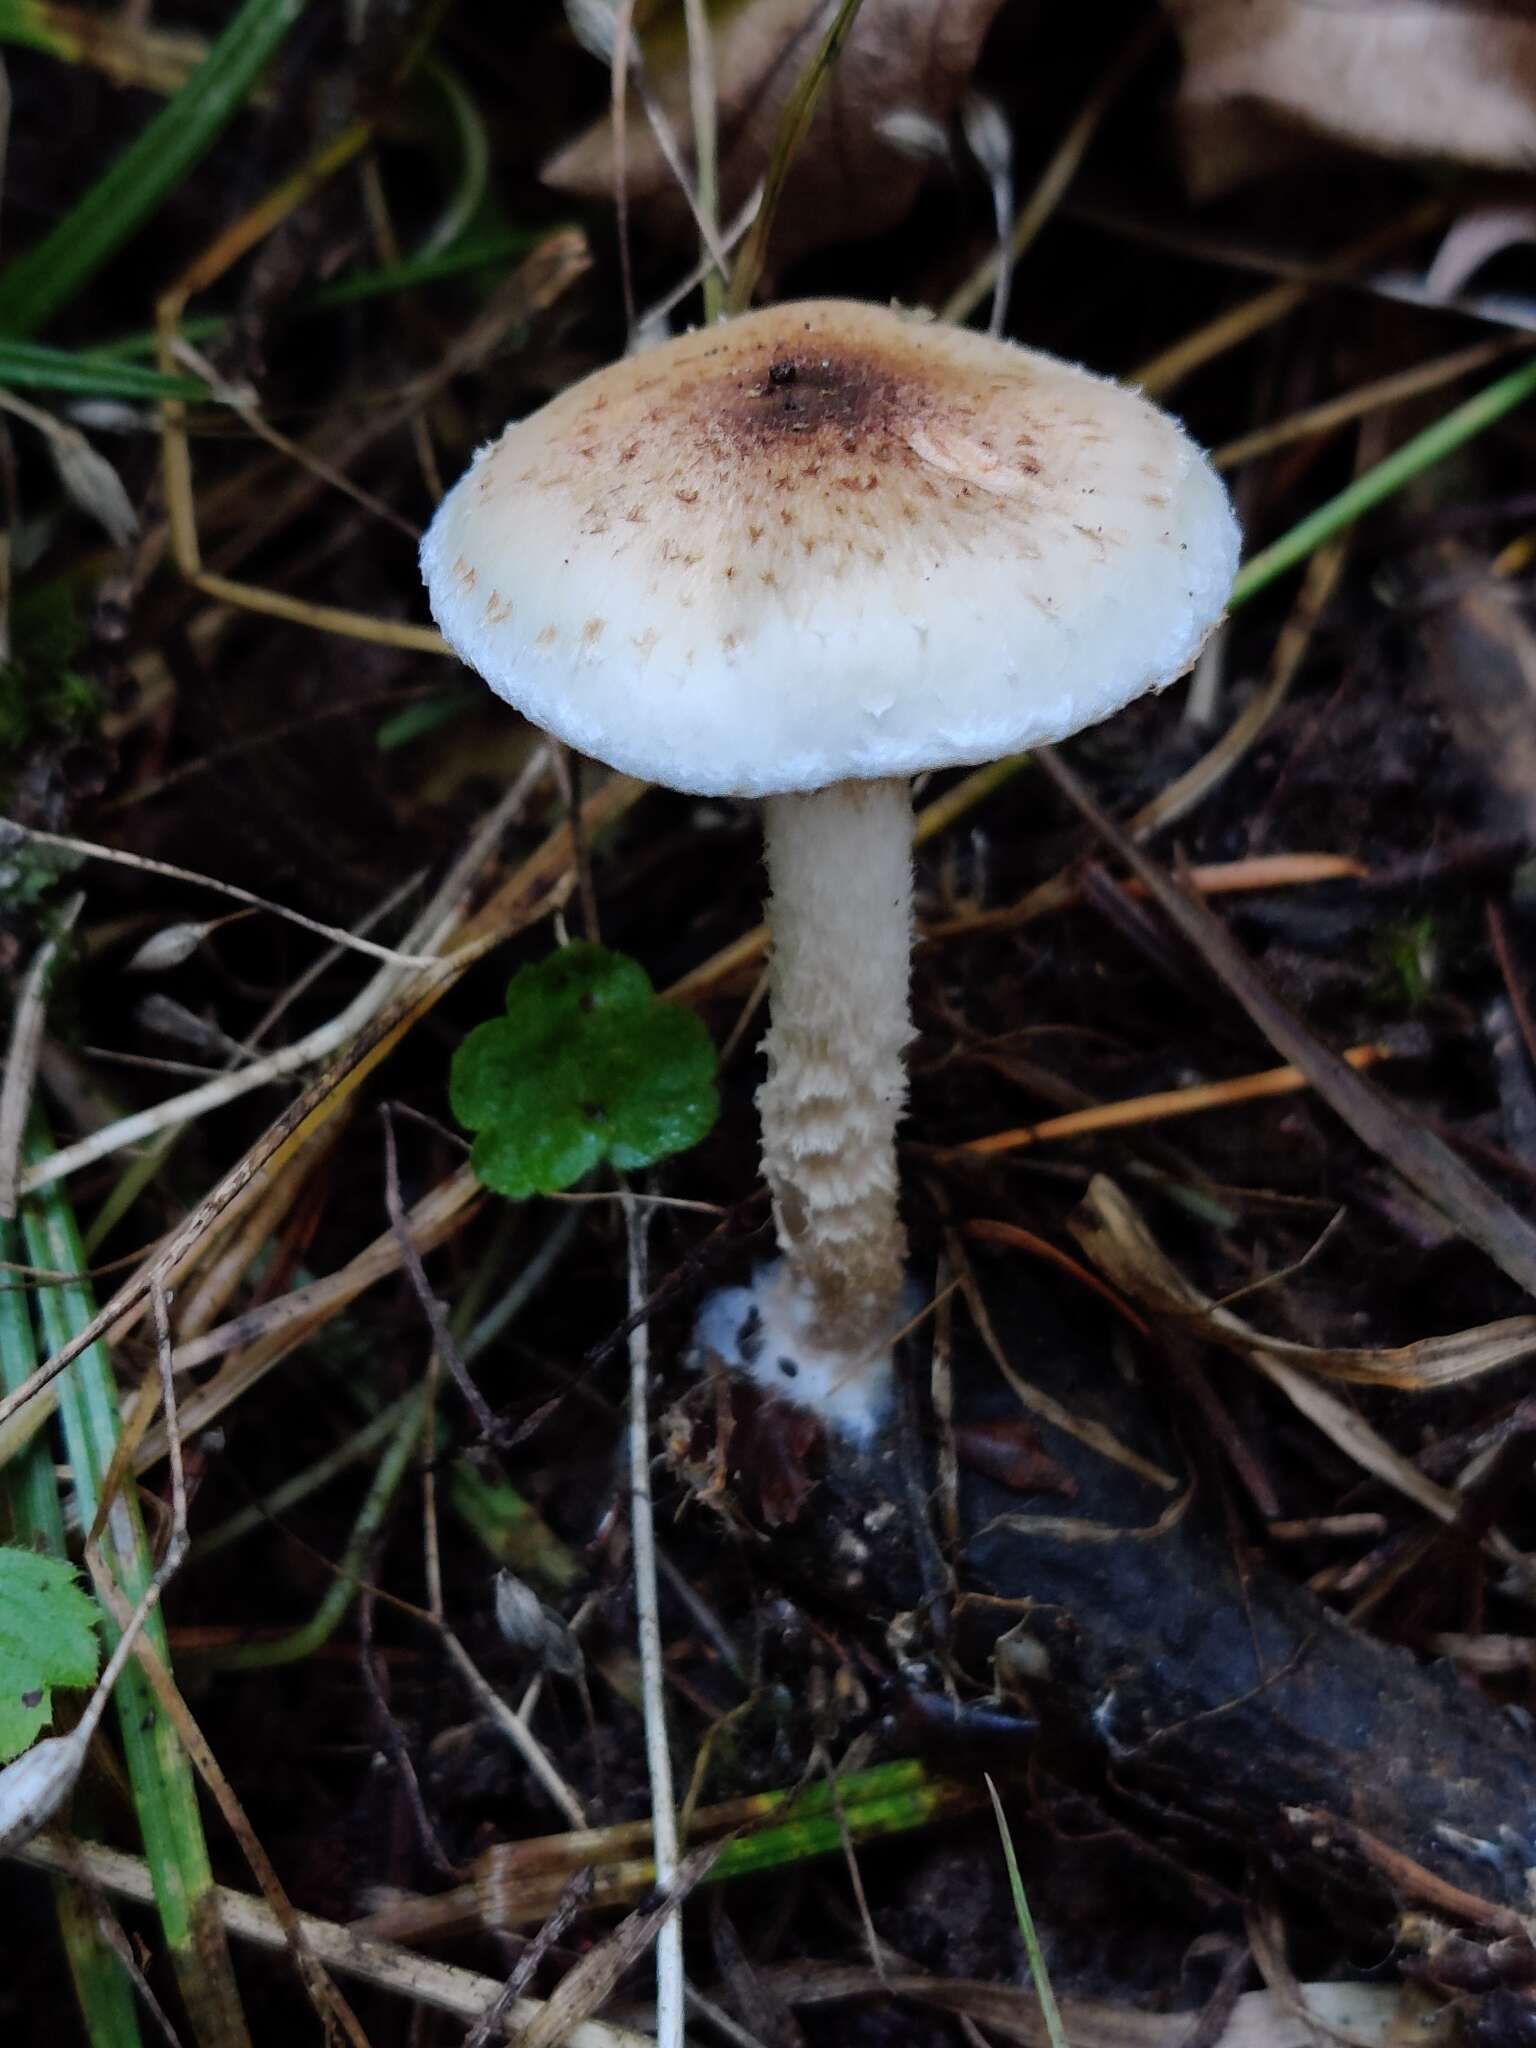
826, 542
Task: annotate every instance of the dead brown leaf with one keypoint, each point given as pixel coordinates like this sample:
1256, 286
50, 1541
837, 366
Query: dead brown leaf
1035, 1400
1482, 663
1113, 1235
1264, 80
1490, 1655
772, 1452
1012, 2012
855, 173
1013, 1455
1481, 231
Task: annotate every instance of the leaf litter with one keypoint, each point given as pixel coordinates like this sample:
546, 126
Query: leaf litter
236, 738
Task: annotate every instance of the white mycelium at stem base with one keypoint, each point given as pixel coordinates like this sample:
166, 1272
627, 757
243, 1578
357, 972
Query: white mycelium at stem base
840, 915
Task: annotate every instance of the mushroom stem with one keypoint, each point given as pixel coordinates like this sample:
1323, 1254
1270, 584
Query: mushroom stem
840, 914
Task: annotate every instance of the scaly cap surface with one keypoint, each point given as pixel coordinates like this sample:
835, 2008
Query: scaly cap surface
826, 541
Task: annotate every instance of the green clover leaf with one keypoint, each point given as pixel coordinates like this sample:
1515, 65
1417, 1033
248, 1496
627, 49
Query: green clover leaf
587, 1064
47, 1638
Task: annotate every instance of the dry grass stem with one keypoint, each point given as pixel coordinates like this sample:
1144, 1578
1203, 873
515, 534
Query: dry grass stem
1118, 1241
1240, 323
1423, 1159
440, 1987
1061, 168
427, 1225
1164, 1105
22, 1054
119, 857
521, 1737
540, 886
1035, 1401
670, 1982
1376, 396
1215, 878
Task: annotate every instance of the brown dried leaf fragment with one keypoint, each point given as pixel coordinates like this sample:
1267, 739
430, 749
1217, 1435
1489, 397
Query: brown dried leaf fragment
1481, 664
856, 173
1266, 80
776, 1447
1013, 1455
1502, 218
1114, 1235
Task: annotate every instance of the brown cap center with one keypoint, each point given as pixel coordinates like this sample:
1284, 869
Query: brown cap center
836, 395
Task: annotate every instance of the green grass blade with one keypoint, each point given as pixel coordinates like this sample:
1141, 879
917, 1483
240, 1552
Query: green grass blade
473, 148
31, 366
30, 1492
159, 1772
793, 125
199, 329
1039, 1975
101, 1986
475, 253
27, 25
299, 1486
417, 720
311, 1635
1443, 437
54, 270
891, 1799
101, 1983
511, 1529
127, 52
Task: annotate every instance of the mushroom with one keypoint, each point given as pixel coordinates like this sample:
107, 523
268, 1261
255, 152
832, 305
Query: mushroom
802, 556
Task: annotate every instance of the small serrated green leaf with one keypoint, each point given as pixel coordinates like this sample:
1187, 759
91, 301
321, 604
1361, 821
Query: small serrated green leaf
587, 1064
47, 1638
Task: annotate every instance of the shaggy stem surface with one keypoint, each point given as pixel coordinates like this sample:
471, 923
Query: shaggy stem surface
840, 914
